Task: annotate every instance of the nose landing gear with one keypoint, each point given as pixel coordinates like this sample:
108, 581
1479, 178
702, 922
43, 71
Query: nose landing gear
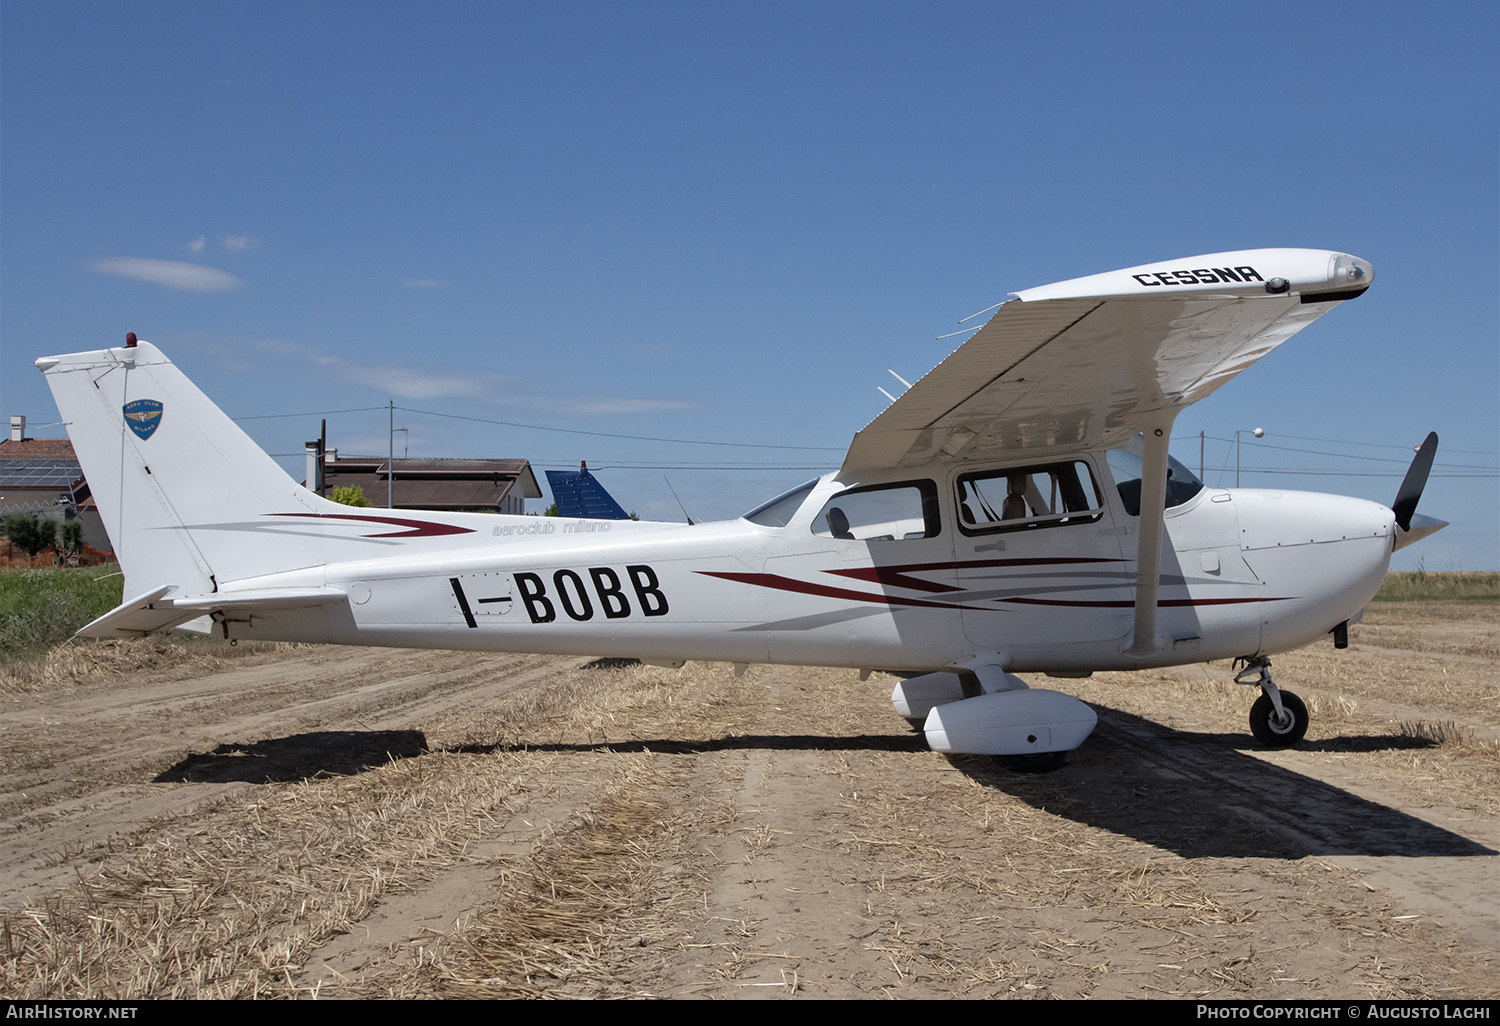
1278, 719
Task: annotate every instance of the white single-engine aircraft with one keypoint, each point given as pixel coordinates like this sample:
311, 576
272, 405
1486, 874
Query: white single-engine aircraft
990, 522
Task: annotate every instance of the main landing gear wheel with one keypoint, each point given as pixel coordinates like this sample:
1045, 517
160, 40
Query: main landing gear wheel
1278, 731
1040, 762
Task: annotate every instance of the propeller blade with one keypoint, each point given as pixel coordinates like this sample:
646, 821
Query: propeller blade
1415, 480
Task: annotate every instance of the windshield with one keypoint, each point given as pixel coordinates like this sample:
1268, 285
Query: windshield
1127, 464
780, 510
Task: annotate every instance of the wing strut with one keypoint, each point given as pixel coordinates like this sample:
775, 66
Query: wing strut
1156, 428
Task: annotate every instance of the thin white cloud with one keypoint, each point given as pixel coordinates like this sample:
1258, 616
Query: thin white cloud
410, 384
421, 384
173, 274
423, 283
238, 243
197, 244
403, 382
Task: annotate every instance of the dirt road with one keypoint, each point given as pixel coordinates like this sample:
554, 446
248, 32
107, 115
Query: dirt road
359, 822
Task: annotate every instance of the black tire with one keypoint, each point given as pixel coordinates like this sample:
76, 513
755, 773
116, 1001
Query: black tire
1041, 762
1271, 734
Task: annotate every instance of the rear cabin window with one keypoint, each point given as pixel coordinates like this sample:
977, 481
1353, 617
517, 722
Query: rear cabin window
898, 512
1028, 498
779, 511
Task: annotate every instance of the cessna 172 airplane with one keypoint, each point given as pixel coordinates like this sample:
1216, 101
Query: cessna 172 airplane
1016, 510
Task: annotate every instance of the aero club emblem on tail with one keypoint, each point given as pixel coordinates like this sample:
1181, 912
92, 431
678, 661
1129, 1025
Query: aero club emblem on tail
143, 416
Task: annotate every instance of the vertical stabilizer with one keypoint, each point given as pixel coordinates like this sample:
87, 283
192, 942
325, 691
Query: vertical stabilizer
177, 482
579, 494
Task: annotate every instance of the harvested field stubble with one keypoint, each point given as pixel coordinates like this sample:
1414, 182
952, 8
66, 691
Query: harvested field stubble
612, 832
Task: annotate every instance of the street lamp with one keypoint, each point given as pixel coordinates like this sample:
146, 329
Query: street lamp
1258, 433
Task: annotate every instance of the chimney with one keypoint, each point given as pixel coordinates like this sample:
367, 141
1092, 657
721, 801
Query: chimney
314, 466
17, 427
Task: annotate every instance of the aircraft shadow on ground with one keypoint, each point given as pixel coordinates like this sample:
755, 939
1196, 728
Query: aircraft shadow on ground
1202, 795
297, 757
1197, 795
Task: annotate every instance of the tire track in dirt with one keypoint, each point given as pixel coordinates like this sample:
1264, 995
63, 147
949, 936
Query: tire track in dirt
103, 764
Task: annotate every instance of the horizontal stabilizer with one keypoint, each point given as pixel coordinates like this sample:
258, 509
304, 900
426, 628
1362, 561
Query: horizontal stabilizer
142, 615
156, 612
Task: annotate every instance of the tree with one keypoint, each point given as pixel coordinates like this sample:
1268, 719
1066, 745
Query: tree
350, 495
70, 535
552, 511
30, 532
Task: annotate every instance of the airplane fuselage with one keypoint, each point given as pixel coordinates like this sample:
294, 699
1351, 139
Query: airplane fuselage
1244, 572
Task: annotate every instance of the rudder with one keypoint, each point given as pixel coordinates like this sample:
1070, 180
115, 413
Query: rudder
176, 481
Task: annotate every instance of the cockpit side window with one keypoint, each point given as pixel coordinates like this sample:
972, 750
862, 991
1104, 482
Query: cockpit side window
896, 512
1127, 467
1026, 498
780, 510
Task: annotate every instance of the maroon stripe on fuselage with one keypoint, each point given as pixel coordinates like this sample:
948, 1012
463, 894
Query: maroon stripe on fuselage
414, 528
779, 583
899, 575
1126, 604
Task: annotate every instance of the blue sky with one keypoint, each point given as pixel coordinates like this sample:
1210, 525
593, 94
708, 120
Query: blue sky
692, 221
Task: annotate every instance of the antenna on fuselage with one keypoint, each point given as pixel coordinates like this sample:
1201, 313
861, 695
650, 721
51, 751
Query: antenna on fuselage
679, 501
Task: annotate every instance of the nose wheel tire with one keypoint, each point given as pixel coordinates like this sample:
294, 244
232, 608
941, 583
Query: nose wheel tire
1278, 732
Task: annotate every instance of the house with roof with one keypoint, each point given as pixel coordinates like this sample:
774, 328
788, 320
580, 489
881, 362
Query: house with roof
453, 485
42, 476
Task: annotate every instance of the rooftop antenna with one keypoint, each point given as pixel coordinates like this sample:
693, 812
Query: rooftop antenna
679, 501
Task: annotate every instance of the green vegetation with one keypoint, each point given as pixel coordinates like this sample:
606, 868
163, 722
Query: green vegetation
1424, 585
30, 532
41, 608
352, 495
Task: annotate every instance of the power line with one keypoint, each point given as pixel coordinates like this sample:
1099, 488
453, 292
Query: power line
612, 434
1386, 445
1345, 455
315, 413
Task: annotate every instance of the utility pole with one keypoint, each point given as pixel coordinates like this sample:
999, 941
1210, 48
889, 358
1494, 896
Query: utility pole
390, 466
1258, 433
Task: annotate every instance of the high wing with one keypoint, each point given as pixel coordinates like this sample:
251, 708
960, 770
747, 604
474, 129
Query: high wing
1086, 362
